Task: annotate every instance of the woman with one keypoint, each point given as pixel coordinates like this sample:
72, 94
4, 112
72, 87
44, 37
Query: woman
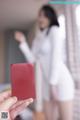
47, 48
11, 105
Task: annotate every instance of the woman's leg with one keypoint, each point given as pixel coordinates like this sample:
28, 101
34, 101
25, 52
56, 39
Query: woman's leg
50, 110
47, 110
66, 110
54, 111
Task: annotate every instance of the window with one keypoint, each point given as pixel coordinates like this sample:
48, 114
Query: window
77, 12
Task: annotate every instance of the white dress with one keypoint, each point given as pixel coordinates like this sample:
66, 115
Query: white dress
47, 48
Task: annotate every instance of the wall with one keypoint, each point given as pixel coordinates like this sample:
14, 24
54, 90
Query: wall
2, 57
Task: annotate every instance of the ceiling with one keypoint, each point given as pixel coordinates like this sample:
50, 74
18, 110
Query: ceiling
19, 13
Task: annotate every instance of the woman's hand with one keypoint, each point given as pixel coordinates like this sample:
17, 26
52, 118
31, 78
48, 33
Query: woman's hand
11, 105
19, 36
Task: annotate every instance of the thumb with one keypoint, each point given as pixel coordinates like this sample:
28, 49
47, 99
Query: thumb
7, 104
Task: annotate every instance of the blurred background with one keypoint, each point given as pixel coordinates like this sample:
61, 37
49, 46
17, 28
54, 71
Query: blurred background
21, 15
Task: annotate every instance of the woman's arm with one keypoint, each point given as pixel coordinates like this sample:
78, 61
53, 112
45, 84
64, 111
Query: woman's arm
24, 47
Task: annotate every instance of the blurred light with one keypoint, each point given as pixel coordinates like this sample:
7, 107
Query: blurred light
61, 20
78, 15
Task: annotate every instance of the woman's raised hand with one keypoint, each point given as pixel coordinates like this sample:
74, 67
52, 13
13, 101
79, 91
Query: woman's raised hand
19, 36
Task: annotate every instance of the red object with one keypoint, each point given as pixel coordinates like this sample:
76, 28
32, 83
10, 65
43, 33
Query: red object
23, 81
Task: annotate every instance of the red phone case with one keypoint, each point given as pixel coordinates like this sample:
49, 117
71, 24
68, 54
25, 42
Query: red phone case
23, 81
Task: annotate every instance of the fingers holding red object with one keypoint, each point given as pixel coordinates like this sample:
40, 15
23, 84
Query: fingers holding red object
19, 106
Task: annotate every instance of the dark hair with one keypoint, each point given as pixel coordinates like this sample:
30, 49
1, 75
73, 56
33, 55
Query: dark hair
50, 13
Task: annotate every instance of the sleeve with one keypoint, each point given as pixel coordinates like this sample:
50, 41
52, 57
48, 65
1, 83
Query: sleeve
56, 54
24, 47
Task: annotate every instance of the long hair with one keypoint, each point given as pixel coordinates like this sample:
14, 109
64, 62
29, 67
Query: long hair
50, 13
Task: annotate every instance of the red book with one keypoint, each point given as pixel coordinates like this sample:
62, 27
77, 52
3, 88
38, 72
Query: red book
23, 81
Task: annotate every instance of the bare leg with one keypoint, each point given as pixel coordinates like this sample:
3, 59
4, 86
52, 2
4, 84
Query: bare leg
54, 111
50, 110
66, 110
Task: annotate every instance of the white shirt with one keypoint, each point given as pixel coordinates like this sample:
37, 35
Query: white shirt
48, 49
